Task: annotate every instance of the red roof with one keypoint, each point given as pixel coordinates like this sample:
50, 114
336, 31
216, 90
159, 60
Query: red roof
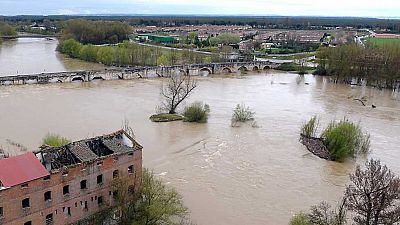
21, 169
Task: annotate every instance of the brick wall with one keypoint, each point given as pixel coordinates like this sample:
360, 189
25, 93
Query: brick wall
11, 199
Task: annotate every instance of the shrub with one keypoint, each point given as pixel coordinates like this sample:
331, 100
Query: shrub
344, 139
300, 219
55, 140
241, 113
197, 112
310, 128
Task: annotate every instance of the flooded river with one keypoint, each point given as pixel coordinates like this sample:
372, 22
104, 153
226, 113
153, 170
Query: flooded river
36, 55
227, 176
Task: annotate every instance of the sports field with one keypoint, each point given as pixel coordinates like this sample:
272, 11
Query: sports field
383, 41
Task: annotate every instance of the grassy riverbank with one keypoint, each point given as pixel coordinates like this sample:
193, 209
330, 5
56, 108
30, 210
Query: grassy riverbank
130, 54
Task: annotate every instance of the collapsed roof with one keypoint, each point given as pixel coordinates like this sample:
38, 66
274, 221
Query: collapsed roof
88, 150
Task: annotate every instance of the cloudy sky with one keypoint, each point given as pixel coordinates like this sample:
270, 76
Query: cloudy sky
360, 8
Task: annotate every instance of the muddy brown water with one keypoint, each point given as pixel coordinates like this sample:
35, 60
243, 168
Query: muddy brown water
37, 55
226, 175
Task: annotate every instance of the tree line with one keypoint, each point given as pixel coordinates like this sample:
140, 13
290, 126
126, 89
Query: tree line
6, 29
132, 54
273, 22
375, 65
95, 32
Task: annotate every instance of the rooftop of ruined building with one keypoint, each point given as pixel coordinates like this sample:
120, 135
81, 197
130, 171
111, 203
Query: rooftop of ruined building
87, 150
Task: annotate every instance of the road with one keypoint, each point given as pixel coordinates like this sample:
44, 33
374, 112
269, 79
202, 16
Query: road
170, 48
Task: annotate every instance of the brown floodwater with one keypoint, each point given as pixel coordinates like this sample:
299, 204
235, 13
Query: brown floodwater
227, 176
37, 55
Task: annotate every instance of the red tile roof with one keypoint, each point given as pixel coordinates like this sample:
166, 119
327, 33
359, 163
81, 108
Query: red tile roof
21, 169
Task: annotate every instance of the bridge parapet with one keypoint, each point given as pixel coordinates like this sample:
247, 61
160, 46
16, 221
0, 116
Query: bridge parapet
137, 72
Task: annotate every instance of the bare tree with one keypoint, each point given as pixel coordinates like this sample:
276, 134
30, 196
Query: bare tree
176, 90
374, 195
323, 214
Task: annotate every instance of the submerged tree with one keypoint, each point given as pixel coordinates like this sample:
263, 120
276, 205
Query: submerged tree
374, 195
176, 91
242, 114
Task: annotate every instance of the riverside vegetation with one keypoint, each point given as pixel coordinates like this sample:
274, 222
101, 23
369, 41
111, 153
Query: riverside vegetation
373, 65
372, 198
338, 140
131, 54
197, 112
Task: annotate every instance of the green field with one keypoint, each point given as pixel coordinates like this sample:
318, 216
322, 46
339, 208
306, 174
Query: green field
383, 41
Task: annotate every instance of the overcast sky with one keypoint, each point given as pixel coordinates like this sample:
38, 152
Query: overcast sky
358, 8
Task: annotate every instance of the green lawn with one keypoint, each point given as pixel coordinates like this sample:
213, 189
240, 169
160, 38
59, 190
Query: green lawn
383, 41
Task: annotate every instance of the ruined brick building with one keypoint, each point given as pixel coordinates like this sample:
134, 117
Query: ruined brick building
63, 185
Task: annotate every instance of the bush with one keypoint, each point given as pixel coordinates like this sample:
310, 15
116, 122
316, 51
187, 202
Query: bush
345, 139
55, 140
300, 219
288, 67
320, 71
310, 128
242, 114
197, 112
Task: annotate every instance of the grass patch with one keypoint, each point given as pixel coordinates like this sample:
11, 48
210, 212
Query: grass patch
55, 140
292, 67
165, 117
310, 128
383, 41
197, 112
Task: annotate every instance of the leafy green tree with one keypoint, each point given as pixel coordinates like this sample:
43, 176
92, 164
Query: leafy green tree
159, 204
71, 48
96, 32
162, 60
300, 219
105, 55
6, 29
88, 53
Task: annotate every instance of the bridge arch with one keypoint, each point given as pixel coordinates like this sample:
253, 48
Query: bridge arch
226, 70
205, 71
98, 77
266, 68
182, 72
55, 80
243, 68
256, 68
77, 78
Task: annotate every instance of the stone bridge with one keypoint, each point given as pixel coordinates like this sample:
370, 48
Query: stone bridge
139, 72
